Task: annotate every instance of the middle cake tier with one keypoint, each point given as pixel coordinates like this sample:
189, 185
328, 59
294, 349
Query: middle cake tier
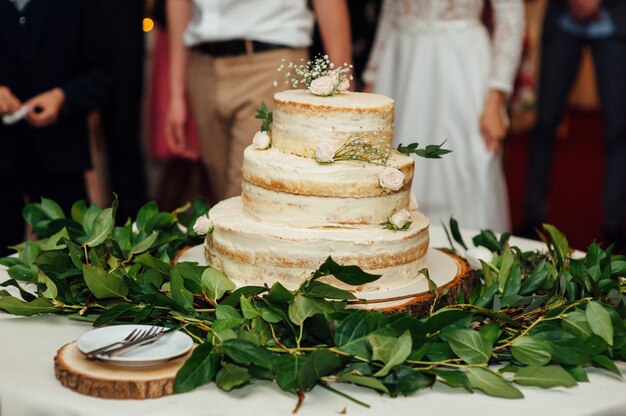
292, 190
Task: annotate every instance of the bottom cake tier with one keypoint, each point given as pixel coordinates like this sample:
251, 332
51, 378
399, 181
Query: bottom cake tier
251, 252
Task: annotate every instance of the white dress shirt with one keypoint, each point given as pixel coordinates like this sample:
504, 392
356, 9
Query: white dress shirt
282, 22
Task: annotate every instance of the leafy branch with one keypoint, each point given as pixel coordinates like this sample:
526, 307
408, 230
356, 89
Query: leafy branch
266, 115
432, 151
543, 317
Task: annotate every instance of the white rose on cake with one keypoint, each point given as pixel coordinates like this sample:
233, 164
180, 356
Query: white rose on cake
261, 140
323, 86
344, 85
391, 178
400, 219
203, 225
325, 152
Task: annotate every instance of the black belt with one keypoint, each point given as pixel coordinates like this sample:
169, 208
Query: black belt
235, 47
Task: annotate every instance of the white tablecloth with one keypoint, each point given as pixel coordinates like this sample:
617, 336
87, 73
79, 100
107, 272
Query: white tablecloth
28, 386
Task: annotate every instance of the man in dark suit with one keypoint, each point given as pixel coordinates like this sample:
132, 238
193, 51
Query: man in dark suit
569, 25
50, 63
122, 20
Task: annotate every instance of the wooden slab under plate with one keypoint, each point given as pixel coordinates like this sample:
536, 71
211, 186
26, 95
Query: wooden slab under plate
100, 379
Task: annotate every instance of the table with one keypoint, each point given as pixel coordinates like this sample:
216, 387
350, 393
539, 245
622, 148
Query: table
28, 386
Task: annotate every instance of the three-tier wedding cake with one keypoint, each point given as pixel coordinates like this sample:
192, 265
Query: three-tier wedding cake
328, 185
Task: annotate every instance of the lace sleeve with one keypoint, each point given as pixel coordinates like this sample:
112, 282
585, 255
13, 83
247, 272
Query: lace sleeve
507, 43
382, 34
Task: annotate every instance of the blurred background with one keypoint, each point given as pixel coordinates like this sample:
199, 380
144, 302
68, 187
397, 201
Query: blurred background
575, 202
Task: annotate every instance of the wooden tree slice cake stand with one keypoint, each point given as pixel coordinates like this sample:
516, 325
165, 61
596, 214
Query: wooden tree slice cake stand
448, 271
108, 381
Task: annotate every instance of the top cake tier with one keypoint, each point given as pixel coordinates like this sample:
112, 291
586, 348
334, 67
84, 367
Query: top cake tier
301, 120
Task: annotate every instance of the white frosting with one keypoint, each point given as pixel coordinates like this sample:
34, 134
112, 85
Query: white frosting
257, 252
301, 120
313, 211
278, 171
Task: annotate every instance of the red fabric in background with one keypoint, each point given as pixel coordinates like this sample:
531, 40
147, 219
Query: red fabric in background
575, 192
159, 101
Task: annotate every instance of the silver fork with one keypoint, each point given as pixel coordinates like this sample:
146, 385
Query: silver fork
146, 339
135, 335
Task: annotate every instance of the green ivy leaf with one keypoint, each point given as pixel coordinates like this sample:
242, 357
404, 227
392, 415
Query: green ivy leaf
544, 377
600, 321
443, 318
215, 283
231, 376
144, 215
456, 233
406, 380
51, 291
365, 381
576, 324
492, 384
244, 352
18, 307
391, 351
247, 308
199, 369
351, 275
104, 285
326, 291
180, 294
468, 345
102, 227
453, 378
278, 293
304, 307
51, 209
602, 361
531, 351
559, 243
78, 210
226, 312
351, 334
145, 244
300, 373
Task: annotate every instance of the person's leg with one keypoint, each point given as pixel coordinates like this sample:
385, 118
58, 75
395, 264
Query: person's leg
248, 80
609, 57
560, 60
122, 117
211, 121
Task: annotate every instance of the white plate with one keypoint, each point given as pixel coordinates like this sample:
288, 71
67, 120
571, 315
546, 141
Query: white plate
441, 267
165, 348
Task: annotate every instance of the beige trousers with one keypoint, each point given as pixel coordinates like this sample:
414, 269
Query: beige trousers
225, 92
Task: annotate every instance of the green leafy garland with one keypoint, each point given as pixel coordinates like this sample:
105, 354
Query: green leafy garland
542, 317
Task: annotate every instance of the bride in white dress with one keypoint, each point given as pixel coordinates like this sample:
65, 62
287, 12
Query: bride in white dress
450, 81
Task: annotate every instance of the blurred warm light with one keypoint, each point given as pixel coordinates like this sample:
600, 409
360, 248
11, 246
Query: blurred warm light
148, 24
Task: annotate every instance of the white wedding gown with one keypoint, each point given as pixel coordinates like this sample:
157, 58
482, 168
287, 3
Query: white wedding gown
437, 61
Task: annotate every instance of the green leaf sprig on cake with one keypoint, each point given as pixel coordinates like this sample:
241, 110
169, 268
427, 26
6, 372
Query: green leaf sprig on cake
262, 139
431, 151
400, 221
320, 76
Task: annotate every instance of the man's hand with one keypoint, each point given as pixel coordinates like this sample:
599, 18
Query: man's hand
175, 130
493, 123
8, 102
585, 10
45, 107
